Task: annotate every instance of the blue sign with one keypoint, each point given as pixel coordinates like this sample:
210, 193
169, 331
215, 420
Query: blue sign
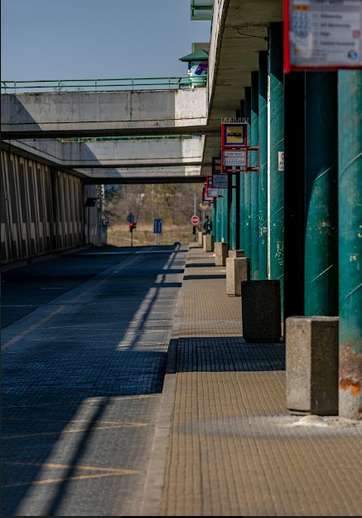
157, 226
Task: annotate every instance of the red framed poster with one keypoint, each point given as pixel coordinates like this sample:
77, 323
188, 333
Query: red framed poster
322, 34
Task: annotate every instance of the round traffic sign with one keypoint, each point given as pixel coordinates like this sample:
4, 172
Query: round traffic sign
195, 220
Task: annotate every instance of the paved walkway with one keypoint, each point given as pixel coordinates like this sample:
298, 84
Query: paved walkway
225, 439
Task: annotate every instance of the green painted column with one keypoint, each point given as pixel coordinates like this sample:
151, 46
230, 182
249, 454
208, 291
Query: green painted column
294, 193
241, 178
237, 211
247, 183
232, 232
321, 241
214, 219
350, 243
276, 144
254, 140
225, 224
263, 165
218, 217
229, 209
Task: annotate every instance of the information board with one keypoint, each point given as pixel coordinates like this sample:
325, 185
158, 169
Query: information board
220, 181
235, 158
322, 34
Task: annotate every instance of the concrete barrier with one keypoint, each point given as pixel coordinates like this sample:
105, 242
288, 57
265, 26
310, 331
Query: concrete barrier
221, 252
237, 270
236, 253
200, 236
208, 241
261, 310
312, 365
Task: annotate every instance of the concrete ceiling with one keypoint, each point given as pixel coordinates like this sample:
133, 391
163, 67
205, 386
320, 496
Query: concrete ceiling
239, 32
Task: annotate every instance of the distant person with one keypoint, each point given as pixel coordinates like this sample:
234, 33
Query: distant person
207, 225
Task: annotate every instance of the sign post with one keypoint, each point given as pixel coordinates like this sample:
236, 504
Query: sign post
157, 229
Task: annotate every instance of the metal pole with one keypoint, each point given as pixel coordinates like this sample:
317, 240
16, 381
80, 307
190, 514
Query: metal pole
350, 243
321, 239
263, 158
254, 140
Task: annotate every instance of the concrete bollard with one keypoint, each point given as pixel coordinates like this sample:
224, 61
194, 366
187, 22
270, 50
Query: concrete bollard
221, 252
261, 310
208, 243
233, 254
237, 270
199, 238
312, 353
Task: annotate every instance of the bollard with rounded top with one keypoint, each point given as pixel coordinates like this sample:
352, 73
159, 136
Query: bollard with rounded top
221, 252
261, 310
312, 365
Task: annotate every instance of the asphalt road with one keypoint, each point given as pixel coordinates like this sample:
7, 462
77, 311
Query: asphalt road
84, 347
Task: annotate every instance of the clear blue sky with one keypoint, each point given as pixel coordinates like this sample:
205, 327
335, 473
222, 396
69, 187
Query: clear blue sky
75, 39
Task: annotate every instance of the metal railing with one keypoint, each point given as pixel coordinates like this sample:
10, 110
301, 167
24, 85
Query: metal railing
68, 85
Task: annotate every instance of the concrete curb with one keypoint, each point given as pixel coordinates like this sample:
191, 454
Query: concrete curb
152, 494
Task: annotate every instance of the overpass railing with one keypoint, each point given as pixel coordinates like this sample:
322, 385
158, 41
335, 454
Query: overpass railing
94, 85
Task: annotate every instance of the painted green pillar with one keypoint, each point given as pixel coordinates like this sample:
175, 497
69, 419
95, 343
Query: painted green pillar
276, 176
294, 193
254, 140
241, 180
214, 219
229, 209
232, 233
321, 241
225, 223
218, 217
263, 165
350, 243
247, 183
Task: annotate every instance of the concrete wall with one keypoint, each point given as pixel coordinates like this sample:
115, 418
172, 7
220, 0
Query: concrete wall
42, 209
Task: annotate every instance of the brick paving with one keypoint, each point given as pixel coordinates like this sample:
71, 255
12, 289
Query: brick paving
233, 448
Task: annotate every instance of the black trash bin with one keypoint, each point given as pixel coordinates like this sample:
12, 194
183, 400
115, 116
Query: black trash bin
261, 310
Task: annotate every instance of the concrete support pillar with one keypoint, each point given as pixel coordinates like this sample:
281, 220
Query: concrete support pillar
312, 365
294, 188
247, 183
208, 243
350, 243
263, 163
321, 242
254, 140
237, 270
276, 146
221, 253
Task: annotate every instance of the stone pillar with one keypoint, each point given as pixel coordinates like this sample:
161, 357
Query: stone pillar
221, 252
208, 243
260, 309
312, 365
200, 236
237, 270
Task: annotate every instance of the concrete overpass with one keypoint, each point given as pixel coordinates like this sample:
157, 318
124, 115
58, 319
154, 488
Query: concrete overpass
119, 161
97, 114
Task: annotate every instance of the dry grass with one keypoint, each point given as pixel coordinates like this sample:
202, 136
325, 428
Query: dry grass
119, 235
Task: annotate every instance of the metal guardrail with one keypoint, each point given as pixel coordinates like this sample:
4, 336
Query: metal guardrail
66, 85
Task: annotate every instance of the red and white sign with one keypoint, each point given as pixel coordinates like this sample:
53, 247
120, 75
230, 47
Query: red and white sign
195, 220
